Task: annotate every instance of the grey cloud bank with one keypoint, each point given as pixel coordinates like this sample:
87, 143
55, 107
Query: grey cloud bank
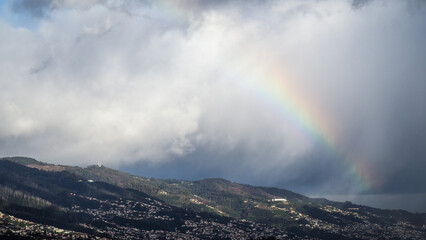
165, 88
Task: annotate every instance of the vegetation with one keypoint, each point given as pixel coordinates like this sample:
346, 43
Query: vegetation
8, 195
23, 160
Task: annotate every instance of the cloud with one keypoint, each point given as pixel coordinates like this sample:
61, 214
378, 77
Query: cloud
360, 3
34, 8
230, 85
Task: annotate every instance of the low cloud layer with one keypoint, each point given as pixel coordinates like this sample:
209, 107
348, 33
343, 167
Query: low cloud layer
185, 89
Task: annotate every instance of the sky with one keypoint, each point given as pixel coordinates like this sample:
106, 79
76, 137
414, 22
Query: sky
322, 97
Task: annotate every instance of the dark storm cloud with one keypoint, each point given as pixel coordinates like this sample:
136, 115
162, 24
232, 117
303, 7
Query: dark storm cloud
406, 153
184, 89
41, 67
360, 3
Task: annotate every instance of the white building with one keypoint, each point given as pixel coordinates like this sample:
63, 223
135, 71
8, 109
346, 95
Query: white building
279, 200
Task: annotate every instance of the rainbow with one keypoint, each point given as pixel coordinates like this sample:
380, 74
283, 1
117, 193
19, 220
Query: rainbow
279, 91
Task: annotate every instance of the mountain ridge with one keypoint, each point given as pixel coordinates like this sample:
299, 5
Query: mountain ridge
99, 209
114, 176
292, 213
118, 175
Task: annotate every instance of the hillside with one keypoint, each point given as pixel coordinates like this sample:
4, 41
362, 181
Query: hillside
287, 212
67, 201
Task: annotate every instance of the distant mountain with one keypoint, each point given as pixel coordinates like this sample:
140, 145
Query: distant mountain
100, 201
